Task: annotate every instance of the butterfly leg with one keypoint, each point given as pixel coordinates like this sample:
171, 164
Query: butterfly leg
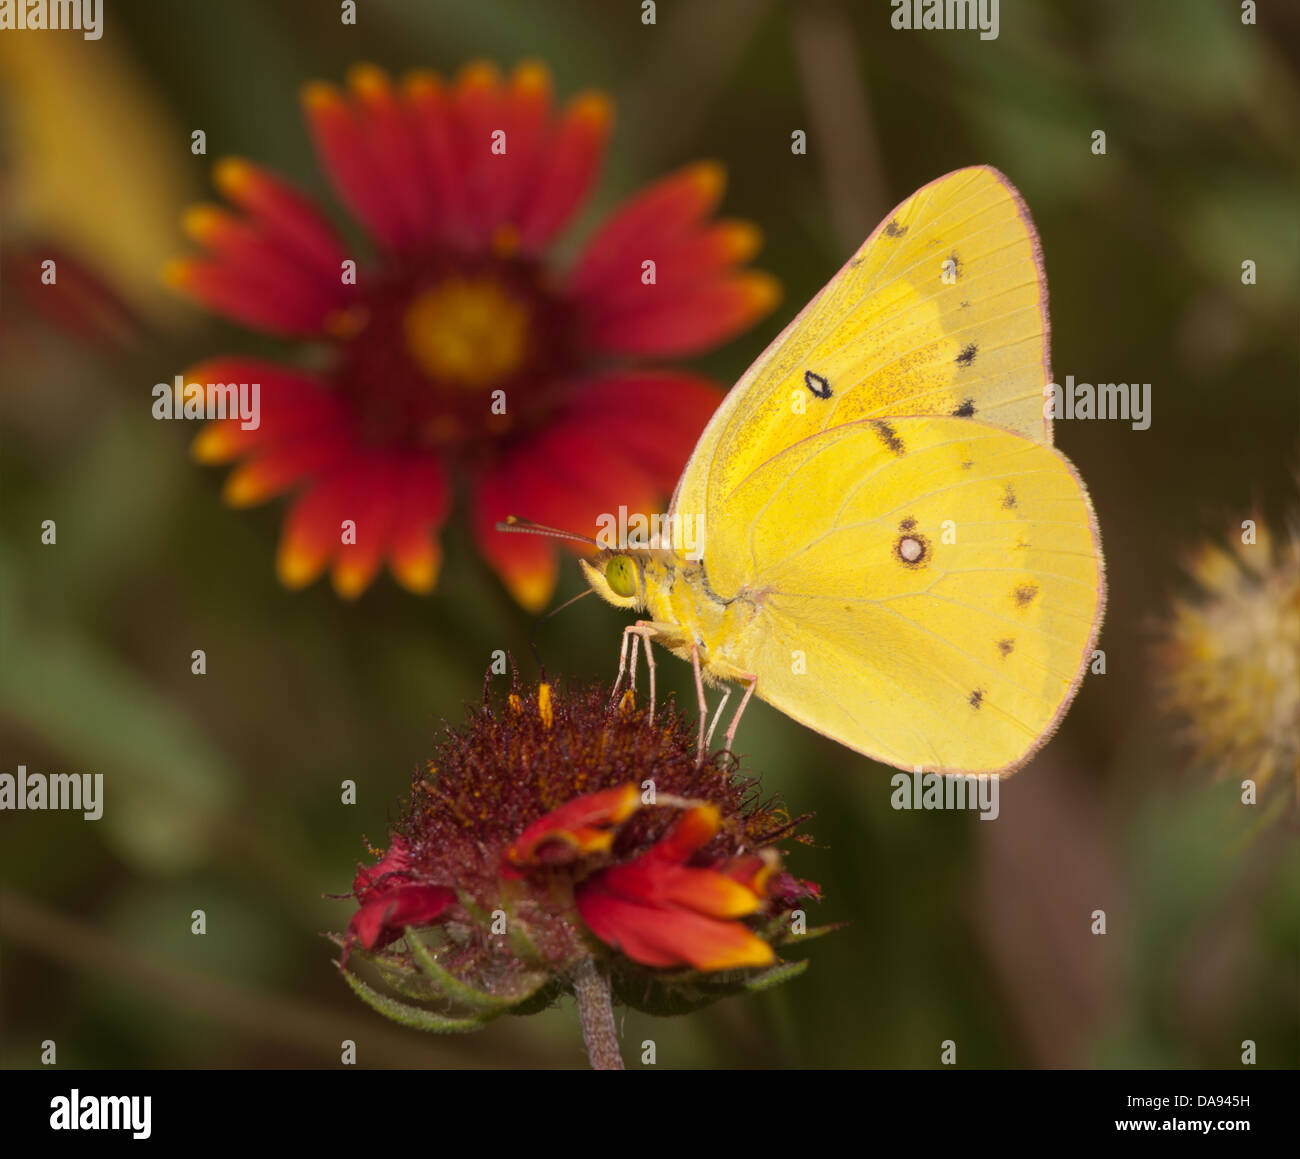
636, 647
622, 665
740, 708
717, 716
642, 629
647, 631
704, 704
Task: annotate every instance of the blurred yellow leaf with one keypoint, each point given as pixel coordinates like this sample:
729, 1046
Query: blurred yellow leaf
95, 164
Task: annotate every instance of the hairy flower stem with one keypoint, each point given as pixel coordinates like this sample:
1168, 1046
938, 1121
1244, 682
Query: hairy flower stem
596, 1012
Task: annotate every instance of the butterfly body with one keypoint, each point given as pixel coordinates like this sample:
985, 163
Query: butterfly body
895, 556
690, 619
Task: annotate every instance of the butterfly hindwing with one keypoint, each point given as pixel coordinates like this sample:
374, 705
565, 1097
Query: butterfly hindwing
928, 590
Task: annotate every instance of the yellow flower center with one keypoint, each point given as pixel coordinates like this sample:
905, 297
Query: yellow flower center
467, 331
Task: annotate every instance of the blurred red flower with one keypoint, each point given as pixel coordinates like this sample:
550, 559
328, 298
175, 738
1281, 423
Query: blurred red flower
461, 350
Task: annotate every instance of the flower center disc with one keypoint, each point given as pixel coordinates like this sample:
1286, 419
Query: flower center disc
450, 352
467, 332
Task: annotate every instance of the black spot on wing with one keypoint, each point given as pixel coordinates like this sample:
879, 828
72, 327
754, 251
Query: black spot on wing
1007, 646
976, 698
893, 229
888, 436
966, 409
967, 465
1024, 594
1008, 497
817, 384
968, 352
908, 524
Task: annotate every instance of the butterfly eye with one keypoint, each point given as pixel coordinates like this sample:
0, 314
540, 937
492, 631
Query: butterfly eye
620, 573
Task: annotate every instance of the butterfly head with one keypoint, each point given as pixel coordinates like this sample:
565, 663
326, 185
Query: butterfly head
618, 577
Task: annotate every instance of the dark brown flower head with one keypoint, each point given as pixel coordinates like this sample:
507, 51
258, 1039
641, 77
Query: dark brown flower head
551, 829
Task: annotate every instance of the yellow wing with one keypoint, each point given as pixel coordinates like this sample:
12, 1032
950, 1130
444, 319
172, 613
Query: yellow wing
926, 591
942, 311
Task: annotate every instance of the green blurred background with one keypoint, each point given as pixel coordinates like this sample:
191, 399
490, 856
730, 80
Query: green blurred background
223, 790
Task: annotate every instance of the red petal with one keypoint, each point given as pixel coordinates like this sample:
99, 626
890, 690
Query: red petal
270, 301
583, 825
693, 830
390, 138
294, 407
527, 564
681, 262
437, 150
689, 320
373, 508
665, 210
345, 155
568, 169
282, 212
682, 404
668, 937
702, 890
280, 467
425, 495
386, 914
526, 119
255, 258
312, 534
478, 112
396, 860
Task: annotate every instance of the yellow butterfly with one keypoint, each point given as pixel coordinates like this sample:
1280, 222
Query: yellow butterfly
892, 553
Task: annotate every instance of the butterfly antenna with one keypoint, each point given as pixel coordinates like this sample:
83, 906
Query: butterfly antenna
515, 523
532, 635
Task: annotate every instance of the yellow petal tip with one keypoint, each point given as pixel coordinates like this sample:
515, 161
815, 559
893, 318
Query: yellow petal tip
594, 107
296, 569
201, 221
318, 94
368, 80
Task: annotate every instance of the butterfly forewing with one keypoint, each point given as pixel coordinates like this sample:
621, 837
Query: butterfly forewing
942, 311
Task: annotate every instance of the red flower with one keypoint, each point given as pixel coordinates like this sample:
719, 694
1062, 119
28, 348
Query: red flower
655, 908
585, 825
391, 900
555, 822
661, 912
461, 350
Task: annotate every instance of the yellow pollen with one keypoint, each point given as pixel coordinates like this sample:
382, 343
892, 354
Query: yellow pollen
467, 331
544, 709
